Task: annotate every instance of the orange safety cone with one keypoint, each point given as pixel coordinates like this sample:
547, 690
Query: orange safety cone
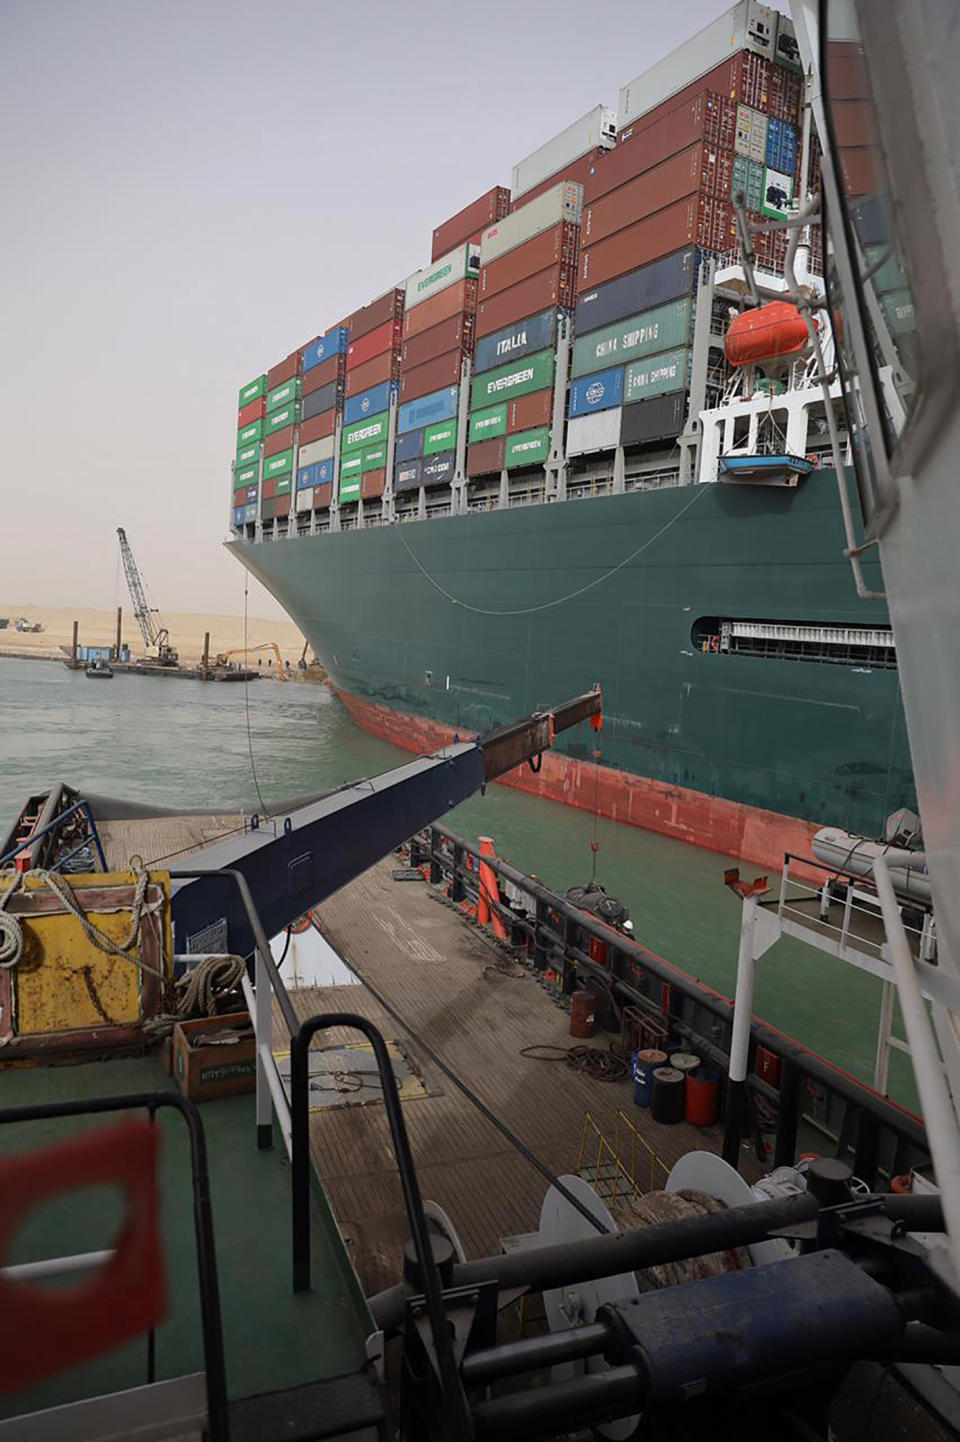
488, 899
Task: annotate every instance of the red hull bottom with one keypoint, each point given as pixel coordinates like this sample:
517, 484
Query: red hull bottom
746, 832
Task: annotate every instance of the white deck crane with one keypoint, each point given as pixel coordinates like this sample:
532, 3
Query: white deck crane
156, 638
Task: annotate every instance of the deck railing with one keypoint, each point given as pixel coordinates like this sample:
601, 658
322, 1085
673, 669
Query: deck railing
800, 1100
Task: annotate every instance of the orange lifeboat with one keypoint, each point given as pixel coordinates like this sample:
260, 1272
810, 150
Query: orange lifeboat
771, 332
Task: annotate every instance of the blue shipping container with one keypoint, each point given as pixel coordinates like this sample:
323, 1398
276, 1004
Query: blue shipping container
781, 147
408, 476
523, 338
599, 392
238, 515
440, 406
408, 446
251, 514
438, 470
368, 403
333, 343
642, 289
318, 402
314, 475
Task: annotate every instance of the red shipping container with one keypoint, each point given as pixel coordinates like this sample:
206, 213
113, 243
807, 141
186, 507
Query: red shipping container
285, 371
486, 456
456, 299
726, 79
847, 72
746, 79
863, 169
453, 334
378, 312
529, 411
470, 222
375, 342
855, 123
240, 497
699, 168
282, 505
556, 286
371, 485
552, 247
279, 441
443, 370
317, 427
709, 117
577, 171
255, 411
269, 489
381, 368
322, 496
699, 220
329, 370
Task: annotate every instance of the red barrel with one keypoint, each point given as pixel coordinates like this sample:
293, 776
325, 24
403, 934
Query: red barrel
582, 1005
702, 1097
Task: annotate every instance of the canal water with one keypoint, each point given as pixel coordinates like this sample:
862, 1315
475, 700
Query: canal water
183, 744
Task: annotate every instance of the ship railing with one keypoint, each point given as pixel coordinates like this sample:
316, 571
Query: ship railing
152, 1395
583, 487
798, 1100
533, 496
290, 1103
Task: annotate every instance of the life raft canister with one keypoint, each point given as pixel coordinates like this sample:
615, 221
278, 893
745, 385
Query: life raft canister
769, 332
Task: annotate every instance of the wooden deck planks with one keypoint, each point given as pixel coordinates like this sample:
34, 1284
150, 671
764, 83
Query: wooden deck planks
477, 1011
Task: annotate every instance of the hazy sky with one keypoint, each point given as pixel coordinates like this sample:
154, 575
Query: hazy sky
191, 189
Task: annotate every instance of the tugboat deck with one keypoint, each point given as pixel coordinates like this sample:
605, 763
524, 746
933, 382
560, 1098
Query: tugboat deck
477, 1010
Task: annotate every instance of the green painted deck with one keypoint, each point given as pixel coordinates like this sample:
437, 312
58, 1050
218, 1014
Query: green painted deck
272, 1338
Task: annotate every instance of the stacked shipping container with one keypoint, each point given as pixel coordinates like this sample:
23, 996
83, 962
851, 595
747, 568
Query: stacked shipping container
623, 248
527, 277
441, 302
251, 409
322, 362
372, 371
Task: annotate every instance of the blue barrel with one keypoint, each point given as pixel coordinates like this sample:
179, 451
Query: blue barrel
644, 1065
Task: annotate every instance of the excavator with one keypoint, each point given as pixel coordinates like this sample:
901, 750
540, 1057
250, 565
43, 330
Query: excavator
222, 658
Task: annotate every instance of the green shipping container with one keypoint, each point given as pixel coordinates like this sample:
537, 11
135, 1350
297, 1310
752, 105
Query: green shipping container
485, 425
252, 432
278, 465
374, 459
252, 392
441, 437
365, 432
349, 487
351, 465
529, 448
519, 378
898, 312
641, 335
288, 416
284, 483
656, 376
246, 475
248, 455
288, 391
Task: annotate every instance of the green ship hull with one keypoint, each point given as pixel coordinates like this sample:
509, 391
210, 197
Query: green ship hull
464, 622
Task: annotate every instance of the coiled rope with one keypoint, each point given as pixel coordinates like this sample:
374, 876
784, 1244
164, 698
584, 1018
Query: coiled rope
560, 600
11, 930
608, 1066
201, 989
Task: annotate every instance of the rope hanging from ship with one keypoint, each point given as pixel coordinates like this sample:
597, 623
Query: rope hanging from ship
560, 600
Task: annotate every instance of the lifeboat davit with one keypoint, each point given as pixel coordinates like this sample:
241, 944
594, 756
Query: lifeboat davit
770, 332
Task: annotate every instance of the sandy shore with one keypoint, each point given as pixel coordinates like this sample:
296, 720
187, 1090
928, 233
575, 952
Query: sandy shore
98, 628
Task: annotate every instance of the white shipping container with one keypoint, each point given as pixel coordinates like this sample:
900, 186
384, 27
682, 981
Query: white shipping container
305, 499
599, 432
560, 202
751, 135
598, 128
320, 450
747, 26
460, 264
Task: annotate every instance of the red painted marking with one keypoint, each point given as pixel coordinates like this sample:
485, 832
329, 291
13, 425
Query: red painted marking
716, 824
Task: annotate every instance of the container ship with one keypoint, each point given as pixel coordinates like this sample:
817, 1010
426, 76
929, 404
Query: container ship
536, 463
